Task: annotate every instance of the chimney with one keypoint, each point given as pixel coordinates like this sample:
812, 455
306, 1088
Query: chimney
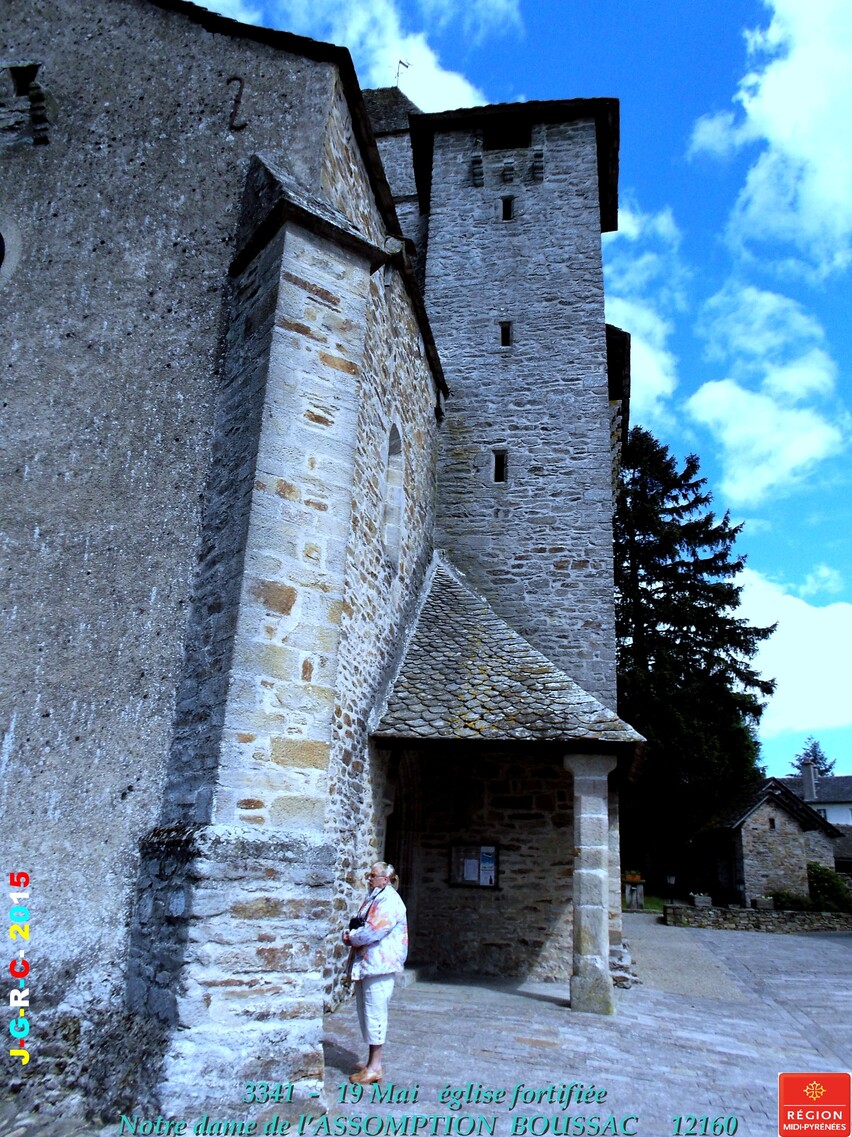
809, 781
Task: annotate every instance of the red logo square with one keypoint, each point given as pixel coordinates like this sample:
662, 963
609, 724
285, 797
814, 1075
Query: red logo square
814, 1105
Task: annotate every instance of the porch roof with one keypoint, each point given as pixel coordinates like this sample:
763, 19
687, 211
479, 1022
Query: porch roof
465, 673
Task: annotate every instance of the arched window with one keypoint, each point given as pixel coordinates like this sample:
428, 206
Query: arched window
392, 527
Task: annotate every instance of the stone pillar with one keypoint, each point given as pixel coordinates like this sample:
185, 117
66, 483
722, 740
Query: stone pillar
591, 984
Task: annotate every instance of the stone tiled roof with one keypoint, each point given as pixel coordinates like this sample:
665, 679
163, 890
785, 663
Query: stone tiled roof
775, 791
466, 674
829, 789
388, 109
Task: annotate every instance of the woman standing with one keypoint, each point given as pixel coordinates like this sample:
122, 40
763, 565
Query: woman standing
379, 937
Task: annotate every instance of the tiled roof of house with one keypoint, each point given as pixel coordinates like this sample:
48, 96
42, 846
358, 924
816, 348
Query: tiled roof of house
773, 790
830, 789
466, 674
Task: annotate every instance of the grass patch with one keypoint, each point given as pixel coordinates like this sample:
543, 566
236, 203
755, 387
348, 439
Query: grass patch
652, 904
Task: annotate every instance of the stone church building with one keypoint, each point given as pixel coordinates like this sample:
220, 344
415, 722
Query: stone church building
311, 417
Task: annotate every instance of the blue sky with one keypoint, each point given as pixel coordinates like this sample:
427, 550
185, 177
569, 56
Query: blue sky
731, 267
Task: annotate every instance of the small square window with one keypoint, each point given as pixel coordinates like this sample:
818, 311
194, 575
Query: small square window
505, 333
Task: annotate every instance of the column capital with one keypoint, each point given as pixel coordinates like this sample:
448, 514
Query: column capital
589, 765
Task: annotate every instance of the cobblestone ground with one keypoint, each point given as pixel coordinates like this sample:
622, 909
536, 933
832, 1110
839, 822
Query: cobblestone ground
717, 1015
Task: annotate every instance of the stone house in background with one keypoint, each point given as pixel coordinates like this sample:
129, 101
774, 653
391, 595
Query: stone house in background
831, 797
312, 417
763, 844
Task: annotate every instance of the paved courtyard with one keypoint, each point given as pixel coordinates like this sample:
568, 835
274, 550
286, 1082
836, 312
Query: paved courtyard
716, 1017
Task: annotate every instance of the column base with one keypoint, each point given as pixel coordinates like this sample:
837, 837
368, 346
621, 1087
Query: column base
592, 991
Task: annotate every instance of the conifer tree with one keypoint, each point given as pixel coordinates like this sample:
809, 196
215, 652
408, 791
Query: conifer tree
685, 675
813, 752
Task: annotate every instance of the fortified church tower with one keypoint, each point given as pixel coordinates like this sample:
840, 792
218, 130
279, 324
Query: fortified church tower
506, 205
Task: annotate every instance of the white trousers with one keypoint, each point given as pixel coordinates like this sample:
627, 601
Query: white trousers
372, 995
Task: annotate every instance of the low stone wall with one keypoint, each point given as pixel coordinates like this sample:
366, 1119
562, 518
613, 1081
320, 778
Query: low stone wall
756, 920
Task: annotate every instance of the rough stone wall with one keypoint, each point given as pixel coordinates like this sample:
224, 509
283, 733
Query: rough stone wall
539, 544
395, 389
110, 342
820, 848
756, 920
773, 858
522, 802
344, 176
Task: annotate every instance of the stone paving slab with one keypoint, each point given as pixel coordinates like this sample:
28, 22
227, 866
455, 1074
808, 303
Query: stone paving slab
717, 1015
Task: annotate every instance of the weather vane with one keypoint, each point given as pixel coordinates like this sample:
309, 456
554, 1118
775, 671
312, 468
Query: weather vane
401, 63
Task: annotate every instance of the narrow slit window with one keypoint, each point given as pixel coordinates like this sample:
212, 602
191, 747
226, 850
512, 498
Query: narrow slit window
500, 465
771, 822
505, 333
508, 208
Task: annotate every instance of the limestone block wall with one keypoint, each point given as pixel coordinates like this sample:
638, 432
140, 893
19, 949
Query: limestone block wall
538, 543
395, 392
774, 858
521, 801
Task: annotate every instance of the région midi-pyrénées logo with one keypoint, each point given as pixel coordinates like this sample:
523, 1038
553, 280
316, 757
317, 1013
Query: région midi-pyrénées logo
814, 1105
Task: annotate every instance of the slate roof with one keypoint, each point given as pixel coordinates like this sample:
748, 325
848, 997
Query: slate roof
388, 109
830, 789
466, 674
773, 790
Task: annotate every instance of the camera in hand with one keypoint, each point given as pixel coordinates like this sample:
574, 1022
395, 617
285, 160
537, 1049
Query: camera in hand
356, 922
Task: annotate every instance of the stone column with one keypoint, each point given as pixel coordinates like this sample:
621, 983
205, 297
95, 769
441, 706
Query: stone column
591, 984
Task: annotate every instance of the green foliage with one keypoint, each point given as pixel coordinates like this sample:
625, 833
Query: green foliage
813, 752
791, 901
684, 655
828, 889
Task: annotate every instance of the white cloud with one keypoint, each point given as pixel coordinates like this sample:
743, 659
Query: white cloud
807, 655
823, 579
766, 446
773, 416
375, 34
645, 284
744, 321
237, 10
795, 101
653, 367
720, 135
477, 18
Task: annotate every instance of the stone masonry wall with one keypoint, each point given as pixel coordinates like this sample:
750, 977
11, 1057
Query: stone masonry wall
110, 340
539, 544
395, 390
344, 176
523, 803
774, 858
397, 159
756, 920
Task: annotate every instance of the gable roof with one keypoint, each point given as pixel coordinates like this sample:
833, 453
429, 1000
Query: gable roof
774, 791
465, 673
830, 789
